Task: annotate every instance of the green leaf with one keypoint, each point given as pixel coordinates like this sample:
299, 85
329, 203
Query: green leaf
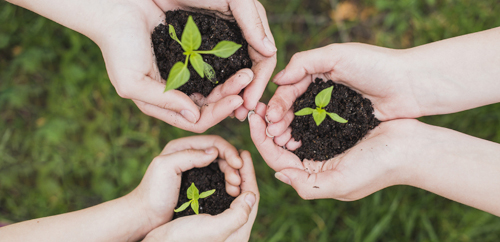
197, 63
304, 111
224, 49
179, 74
195, 206
192, 192
209, 72
207, 193
336, 117
191, 36
323, 97
183, 207
319, 116
173, 35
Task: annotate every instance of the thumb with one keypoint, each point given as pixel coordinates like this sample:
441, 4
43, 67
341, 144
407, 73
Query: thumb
237, 215
316, 61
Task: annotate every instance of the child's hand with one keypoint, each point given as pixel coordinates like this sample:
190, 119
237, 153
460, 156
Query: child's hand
234, 224
375, 72
158, 192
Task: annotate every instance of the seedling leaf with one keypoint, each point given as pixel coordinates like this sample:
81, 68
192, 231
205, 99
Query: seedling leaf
207, 193
173, 35
323, 97
224, 49
179, 74
191, 36
304, 111
191, 191
336, 117
197, 63
319, 116
183, 207
195, 206
209, 72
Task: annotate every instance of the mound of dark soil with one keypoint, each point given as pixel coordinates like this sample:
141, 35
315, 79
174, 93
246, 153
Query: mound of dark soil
331, 138
206, 178
213, 30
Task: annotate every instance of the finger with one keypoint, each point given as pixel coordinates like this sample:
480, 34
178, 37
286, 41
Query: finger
230, 174
237, 215
151, 91
277, 129
232, 86
188, 159
263, 68
284, 97
293, 145
283, 138
247, 173
241, 113
309, 186
211, 114
227, 151
251, 23
276, 157
316, 61
249, 183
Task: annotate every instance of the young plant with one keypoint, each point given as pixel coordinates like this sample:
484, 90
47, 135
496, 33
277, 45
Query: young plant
190, 42
319, 114
194, 195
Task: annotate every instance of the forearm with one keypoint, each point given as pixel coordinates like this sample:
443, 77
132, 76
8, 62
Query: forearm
456, 166
456, 74
95, 19
116, 220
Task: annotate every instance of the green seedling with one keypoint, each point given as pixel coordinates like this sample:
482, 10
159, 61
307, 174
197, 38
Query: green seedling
190, 42
194, 195
319, 114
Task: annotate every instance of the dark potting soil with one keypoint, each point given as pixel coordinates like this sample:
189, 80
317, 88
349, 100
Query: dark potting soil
331, 138
213, 30
205, 178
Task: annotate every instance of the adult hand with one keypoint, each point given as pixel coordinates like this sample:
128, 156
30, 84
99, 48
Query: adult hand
158, 191
234, 224
375, 72
373, 164
126, 47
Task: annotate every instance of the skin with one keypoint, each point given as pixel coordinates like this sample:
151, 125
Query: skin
402, 84
122, 30
150, 207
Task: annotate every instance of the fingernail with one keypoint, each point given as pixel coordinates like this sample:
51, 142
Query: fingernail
250, 79
269, 45
188, 115
250, 113
279, 75
250, 199
210, 150
268, 134
282, 178
244, 118
267, 120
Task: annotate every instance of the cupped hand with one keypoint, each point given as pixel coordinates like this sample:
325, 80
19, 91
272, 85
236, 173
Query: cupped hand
125, 41
375, 72
376, 162
234, 224
158, 192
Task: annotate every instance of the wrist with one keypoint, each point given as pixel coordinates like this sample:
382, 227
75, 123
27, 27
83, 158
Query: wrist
144, 220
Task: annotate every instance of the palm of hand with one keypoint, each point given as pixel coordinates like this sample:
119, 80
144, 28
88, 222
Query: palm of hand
367, 167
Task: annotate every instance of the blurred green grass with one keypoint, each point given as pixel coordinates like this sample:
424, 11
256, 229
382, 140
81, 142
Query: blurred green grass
68, 141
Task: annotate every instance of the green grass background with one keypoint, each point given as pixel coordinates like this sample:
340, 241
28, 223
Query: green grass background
68, 141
